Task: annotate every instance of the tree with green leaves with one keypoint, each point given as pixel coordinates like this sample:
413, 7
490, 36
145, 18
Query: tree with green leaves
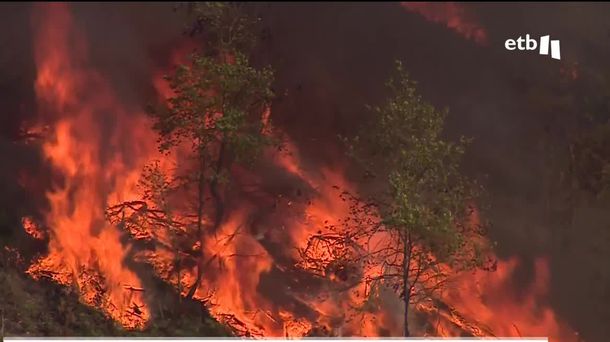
218, 106
417, 229
426, 210
217, 109
225, 27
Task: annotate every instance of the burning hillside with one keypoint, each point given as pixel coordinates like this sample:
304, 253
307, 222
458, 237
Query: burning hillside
250, 267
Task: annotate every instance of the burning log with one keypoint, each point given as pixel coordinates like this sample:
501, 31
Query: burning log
239, 327
47, 274
441, 312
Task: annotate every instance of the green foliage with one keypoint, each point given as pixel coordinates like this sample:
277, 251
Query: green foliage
591, 160
588, 133
428, 195
224, 25
218, 107
423, 201
216, 102
155, 185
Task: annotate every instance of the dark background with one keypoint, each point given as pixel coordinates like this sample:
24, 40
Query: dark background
332, 59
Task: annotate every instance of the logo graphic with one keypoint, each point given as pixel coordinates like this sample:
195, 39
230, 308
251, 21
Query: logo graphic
531, 44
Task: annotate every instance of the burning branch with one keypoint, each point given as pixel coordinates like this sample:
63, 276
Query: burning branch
517, 329
241, 328
136, 311
139, 214
131, 288
361, 254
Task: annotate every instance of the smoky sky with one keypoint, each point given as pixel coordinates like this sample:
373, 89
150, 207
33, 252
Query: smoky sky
332, 59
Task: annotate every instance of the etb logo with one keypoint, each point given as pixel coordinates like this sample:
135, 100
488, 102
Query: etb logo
532, 44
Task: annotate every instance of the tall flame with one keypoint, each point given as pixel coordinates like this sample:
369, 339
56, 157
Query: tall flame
97, 150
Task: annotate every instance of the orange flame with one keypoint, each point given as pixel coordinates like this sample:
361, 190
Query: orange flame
31, 227
84, 250
488, 298
451, 14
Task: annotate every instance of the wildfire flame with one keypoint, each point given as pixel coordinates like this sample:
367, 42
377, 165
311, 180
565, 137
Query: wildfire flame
508, 315
31, 227
84, 250
98, 149
451, 14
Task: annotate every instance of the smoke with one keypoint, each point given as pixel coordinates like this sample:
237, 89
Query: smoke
127, 42
17, 99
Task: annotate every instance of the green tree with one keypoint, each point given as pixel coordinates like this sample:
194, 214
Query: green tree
589, 133
223, 26
424, 200
218, 109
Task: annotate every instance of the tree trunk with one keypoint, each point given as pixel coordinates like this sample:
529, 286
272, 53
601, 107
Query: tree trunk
177, 262
2, 325
218, 202
200, 202
406, 265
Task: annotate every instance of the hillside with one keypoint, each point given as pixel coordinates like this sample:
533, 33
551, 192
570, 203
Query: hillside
43, 308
